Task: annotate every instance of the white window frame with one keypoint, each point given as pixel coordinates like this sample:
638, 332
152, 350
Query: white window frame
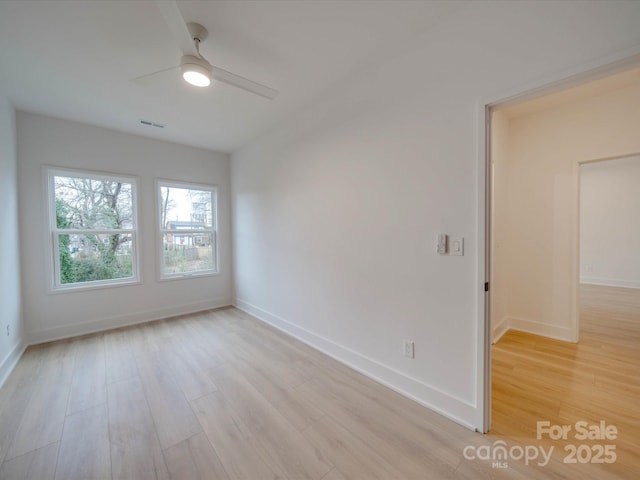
56, 286
161, 231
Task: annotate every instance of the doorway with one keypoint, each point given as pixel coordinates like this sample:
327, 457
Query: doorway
544, 367
610, 223
534, 238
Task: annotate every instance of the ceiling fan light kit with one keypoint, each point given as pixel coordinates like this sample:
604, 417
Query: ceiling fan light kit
195, 71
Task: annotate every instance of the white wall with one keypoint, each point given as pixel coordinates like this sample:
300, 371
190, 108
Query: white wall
499, 225
11, 345
336, 211
610, 222
48, 141
545, 149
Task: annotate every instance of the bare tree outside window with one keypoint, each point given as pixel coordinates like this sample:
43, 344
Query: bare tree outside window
187, 229
94, 229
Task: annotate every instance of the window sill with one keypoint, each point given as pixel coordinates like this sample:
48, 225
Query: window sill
90, 286
186, 276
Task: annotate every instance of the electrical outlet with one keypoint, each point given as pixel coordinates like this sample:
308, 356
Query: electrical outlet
407, 348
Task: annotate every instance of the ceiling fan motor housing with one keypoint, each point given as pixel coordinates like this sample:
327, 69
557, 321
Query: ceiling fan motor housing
195, 70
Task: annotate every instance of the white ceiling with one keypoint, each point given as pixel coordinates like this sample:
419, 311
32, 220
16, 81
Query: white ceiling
75, 59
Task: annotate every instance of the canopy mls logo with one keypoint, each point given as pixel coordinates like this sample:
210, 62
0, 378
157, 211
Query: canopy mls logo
499, 453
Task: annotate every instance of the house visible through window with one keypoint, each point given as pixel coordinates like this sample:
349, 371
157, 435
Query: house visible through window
187, 221
93, 229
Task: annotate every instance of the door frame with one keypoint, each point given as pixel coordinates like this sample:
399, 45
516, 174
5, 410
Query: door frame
593, 71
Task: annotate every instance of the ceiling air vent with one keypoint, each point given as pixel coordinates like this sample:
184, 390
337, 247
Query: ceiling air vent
151, 124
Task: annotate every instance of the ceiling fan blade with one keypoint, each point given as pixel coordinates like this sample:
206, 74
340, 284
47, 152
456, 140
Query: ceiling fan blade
147, 76
180, 31
225, 76
172, 16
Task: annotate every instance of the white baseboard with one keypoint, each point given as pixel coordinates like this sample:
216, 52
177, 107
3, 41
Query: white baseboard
609, 282
445, 404
93, 326
9, 362
499, 330
539, 328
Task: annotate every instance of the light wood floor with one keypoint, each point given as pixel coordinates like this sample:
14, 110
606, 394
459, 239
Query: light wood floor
535, 378
220, 395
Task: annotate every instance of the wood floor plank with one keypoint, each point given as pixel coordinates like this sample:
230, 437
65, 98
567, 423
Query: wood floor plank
195, 459
38, 464
191, 376
173, 417
16, 392
88, 386
253, 351
231, 440
141, 340
205, 337
334, 474
275, 439
27, 367
43, 418
412, 449
347, 452
135, 449
285, 399
13, 404
84, 448
204, 354
536, 378
426, 427
264, 344
119, 359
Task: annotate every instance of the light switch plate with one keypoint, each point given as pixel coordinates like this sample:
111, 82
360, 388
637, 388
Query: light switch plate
442, 244
456, 246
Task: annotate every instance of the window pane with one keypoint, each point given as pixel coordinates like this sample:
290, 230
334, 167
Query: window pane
87, 203
185, 208
86, 258
188, 253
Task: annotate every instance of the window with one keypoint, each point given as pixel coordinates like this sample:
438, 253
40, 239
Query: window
187, 223
93, 229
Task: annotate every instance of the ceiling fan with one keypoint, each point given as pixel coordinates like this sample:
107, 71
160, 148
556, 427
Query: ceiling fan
196, 69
